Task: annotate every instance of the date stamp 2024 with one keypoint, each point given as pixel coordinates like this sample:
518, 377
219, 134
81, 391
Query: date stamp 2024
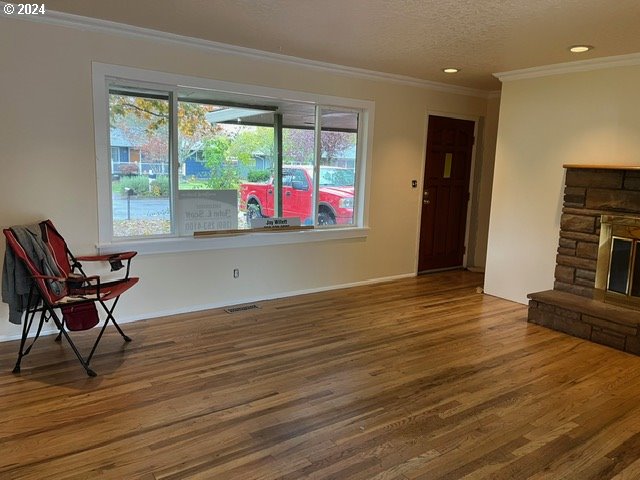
24, 9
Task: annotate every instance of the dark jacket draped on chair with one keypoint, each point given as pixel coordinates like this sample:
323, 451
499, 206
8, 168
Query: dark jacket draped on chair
16, 280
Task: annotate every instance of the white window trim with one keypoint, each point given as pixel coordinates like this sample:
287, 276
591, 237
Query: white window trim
253, 238
101, 73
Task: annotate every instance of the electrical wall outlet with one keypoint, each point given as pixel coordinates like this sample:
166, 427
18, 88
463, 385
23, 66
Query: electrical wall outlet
236, 272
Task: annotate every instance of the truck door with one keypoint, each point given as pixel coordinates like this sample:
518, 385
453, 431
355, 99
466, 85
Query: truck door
269, 200
296, 194
287, 193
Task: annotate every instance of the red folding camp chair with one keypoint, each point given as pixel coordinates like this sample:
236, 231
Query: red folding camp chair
73, 293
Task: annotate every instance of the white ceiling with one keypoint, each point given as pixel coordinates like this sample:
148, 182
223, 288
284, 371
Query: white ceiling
414, 38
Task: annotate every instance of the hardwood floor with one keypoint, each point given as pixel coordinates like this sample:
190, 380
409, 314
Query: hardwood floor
416, 379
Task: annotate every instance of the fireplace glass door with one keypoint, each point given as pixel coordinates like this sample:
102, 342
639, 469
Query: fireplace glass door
621, 249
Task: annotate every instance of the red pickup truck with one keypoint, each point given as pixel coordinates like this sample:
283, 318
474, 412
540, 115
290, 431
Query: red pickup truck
335, 205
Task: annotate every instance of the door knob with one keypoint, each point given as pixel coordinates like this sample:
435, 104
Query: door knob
426, 202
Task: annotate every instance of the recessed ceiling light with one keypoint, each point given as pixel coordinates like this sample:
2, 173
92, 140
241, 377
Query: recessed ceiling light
580, 48
451, 70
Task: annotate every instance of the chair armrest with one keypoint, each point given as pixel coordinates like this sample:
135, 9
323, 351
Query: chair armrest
115, 260
108, 257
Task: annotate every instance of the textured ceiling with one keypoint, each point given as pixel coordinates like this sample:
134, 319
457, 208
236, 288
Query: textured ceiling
414, 38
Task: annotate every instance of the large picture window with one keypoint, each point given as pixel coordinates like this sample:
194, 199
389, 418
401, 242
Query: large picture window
183, 160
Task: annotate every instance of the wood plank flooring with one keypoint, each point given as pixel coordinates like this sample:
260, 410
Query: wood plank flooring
422, 378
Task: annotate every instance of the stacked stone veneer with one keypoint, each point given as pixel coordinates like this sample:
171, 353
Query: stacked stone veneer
589, 193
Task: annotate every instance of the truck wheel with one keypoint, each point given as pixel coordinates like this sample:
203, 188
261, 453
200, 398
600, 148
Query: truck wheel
325, 217
253, 211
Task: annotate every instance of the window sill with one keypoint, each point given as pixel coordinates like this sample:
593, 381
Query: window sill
249, 239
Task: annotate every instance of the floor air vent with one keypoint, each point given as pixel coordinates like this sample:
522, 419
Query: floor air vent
241, 309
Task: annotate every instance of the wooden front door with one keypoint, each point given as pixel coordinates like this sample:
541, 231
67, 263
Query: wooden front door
445, 194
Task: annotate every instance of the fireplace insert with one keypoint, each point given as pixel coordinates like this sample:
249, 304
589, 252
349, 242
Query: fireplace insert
618, 267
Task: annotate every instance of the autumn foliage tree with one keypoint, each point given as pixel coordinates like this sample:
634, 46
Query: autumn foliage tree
146, 121
299, 145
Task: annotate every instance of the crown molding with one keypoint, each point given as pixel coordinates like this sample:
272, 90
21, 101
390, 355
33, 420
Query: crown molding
631, 59
53, 17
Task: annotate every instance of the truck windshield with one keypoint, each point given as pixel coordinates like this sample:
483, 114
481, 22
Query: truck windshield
336, 177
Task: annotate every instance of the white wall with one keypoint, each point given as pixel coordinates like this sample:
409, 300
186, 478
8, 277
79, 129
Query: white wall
482, 184
577, 118
48, 166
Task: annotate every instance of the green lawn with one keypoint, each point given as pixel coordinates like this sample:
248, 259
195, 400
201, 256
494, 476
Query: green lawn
193, 185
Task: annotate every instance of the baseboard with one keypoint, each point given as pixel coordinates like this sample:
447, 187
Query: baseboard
476, 269
236, 301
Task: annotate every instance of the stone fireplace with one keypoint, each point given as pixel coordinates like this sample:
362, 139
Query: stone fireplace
596, 293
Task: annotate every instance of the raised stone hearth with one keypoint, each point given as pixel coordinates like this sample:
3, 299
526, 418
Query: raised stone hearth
593, 320
575, 306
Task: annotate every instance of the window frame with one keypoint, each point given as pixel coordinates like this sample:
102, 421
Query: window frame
104, 74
